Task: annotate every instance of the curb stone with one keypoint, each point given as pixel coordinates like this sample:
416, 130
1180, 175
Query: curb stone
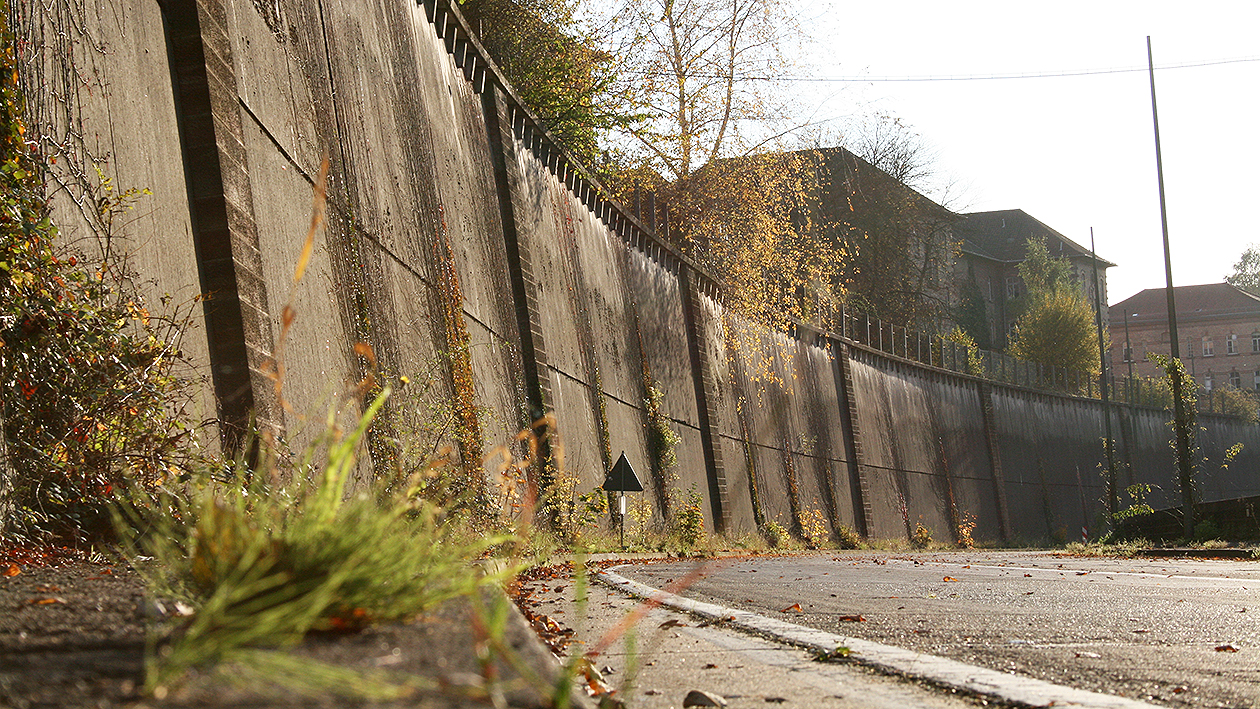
1019, 690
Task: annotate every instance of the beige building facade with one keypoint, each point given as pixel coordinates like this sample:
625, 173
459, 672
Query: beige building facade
1218, 329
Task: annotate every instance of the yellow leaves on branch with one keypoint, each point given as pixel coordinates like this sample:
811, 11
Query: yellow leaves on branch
748, 221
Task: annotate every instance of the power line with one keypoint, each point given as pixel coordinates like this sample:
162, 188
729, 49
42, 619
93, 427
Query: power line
969, 77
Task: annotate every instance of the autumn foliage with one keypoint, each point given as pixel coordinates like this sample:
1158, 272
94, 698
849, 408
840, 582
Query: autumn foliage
86, 372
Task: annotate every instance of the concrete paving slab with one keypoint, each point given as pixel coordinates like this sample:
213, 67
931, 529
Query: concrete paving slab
666, 654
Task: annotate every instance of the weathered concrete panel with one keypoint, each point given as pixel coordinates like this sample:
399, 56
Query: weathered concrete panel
106, 100
1051, 453
728, 438
959, 424
825, 462
577, 430
656, 301
762, 374
886, 476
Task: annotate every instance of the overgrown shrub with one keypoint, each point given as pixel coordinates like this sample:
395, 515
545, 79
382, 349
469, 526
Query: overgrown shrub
974, 361
640, 513
966, 526
572, 514
814, 527
690, 519
847, 537
91, 401
1207, 530
1137, 493
776, 534
921, 537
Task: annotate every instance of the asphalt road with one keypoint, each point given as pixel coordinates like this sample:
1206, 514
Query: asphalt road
1144, 629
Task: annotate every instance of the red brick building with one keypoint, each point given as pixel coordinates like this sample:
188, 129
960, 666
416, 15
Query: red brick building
1218, 326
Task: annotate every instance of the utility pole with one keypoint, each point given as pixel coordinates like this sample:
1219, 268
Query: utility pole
1185, 469
1113, 500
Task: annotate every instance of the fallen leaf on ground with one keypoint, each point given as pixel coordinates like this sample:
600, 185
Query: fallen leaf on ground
852, 619
696, 698
1227, 647
794, 607
671, 623
949, 578
1085, 653
12, 570
1027, 576
709, 666
47, 601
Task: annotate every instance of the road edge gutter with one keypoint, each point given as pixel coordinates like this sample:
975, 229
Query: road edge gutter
887, 658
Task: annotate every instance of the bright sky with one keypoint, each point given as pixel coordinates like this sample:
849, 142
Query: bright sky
1074, 152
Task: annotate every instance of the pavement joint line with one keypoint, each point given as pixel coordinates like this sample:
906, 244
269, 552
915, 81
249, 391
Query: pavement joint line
1025, 691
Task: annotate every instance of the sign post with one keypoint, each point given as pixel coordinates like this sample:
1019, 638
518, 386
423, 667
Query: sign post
621, 479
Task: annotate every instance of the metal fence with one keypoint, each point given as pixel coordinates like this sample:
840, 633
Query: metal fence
936, 350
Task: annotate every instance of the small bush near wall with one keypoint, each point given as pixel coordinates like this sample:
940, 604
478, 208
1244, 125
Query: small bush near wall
90, 398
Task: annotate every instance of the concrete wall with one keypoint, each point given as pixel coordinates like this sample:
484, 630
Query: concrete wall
476, 257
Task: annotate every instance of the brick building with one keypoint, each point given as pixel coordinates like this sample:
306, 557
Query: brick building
1218, 326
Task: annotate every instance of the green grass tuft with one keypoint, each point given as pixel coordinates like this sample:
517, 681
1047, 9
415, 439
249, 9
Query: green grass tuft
265, 558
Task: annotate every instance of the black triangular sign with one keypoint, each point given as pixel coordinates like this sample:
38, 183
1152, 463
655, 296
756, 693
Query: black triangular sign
622, 478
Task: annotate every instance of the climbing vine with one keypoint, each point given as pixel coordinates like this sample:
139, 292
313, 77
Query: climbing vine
467, 425
92, 402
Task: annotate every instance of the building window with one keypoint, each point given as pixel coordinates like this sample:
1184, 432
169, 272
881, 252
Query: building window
1255, 380
1207, 347
1255, 342
1207, 382
1231, 344
1012, 287
1128, 353
1235, 380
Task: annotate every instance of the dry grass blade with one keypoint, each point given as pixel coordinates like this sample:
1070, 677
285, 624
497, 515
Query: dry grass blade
319, 203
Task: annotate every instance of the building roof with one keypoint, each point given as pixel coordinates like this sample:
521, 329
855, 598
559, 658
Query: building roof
860, 176
1003, 236
1212, 301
